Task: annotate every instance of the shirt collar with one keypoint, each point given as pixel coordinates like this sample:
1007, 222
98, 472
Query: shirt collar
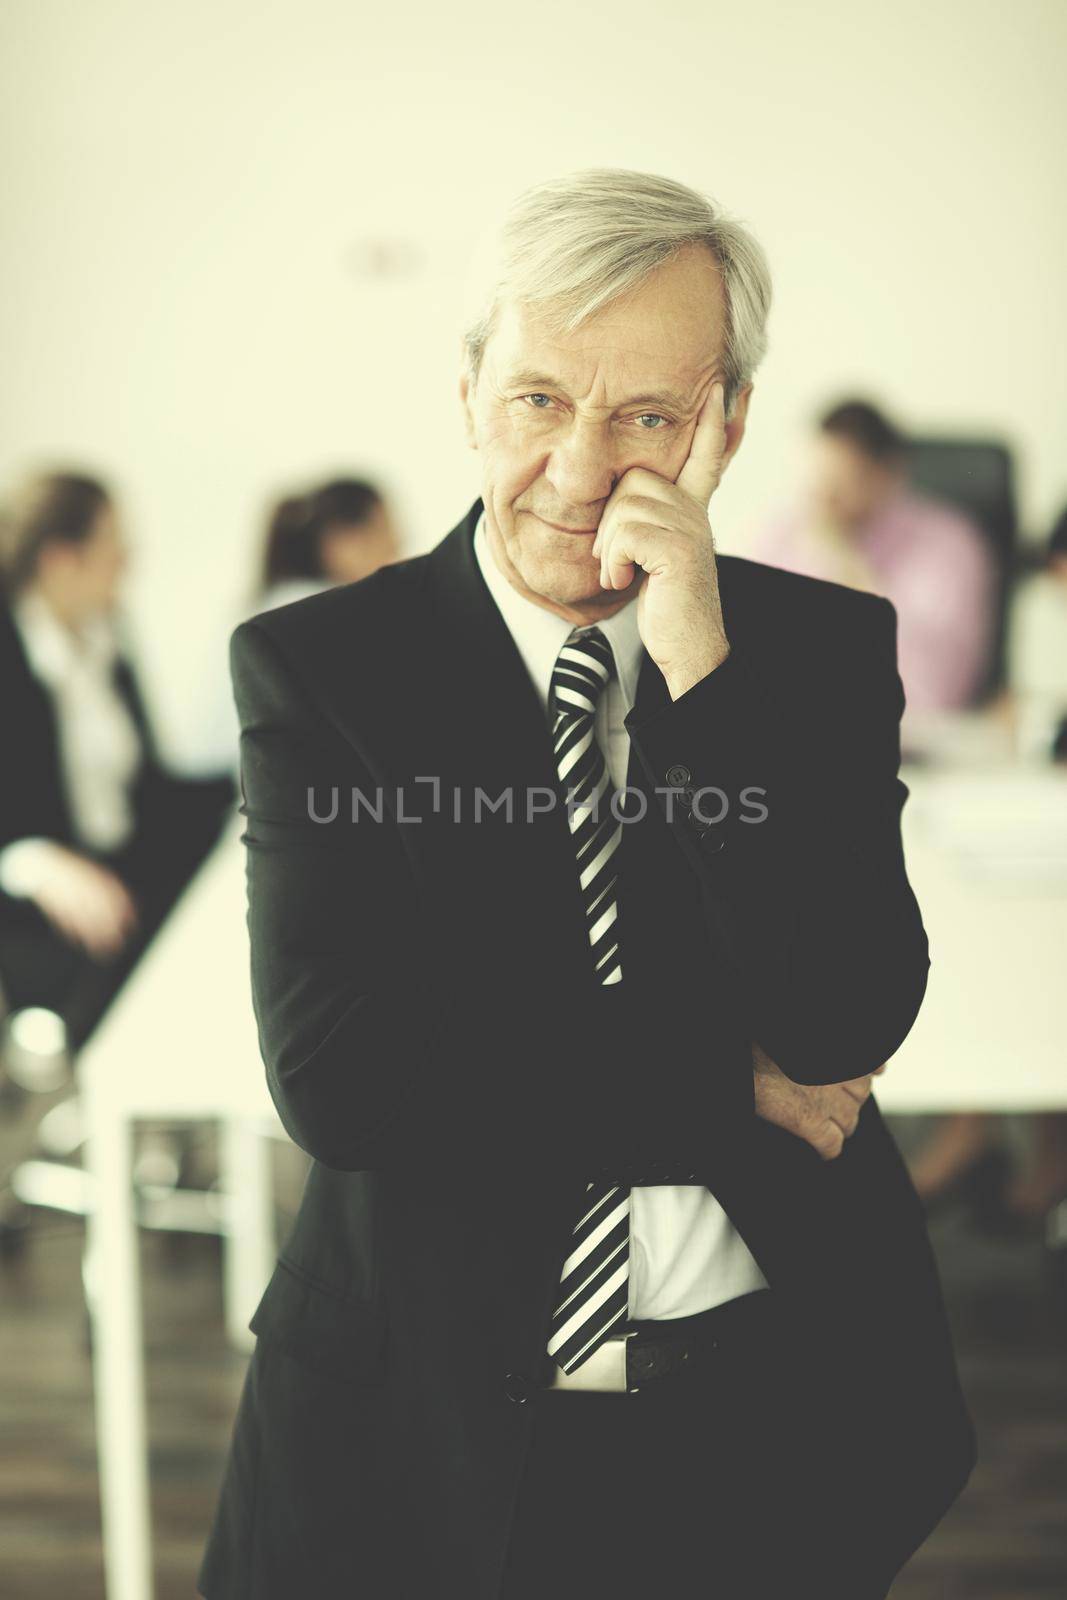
540, 635
54, 652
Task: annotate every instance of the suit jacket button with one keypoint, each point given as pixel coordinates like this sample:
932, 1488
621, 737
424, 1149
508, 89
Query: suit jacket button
517, 1388
678, 777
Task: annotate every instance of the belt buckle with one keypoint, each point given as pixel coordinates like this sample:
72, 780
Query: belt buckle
604, 1372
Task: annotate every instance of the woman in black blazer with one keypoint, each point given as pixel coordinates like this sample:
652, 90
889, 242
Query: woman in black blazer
96, 837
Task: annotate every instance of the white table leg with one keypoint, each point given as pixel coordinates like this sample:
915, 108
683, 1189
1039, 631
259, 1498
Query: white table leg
118, 1363
245, 1170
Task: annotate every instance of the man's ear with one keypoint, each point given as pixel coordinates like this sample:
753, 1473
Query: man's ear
735, 425
466, 396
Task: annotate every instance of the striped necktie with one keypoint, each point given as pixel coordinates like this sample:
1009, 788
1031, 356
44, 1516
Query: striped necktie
593, 1292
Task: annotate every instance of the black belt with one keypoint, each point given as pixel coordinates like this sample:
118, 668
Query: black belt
642, 1352
683, 1345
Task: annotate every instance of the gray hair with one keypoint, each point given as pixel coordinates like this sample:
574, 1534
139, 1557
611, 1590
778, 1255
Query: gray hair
574, 244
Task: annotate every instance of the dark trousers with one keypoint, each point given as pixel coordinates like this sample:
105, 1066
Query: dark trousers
714, 1486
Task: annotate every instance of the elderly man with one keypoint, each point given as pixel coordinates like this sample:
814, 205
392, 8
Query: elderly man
579, 927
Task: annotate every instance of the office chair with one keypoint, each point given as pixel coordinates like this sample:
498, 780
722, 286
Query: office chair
977, 477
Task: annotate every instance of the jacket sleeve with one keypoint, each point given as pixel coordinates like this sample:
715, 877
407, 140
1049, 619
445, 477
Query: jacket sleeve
382, 1049
791, 819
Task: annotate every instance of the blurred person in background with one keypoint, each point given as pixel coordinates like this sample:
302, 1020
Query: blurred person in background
1037, 653
859, 523
290, 566
337, 533
96, 837
968, 1158
1037, 686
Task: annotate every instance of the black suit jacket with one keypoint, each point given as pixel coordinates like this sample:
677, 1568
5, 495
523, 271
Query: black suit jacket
33, 797
434, 1038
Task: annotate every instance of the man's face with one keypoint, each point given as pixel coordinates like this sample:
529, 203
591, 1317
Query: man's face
846, 485
558, 418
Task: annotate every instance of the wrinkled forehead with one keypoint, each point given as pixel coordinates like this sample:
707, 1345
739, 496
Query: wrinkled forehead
667, 335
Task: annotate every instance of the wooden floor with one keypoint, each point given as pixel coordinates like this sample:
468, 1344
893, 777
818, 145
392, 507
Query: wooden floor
1005, 1540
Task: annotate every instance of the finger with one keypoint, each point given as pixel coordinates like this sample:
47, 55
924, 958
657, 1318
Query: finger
630, 508
842, 1107
761, 1061
704, 463
847, 1115
621, 552
858, 1088
829, 1141
642, 484
659, 511
841, 1124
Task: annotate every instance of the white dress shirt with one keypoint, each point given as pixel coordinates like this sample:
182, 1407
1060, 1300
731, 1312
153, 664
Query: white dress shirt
685, 1254
99, 747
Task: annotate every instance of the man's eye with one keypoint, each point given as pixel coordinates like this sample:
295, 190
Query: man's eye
536, 399
654, 418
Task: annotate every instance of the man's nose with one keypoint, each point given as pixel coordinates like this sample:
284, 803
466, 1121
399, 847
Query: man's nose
581, 469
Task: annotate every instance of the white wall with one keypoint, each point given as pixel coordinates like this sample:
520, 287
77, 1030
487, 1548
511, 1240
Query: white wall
187, 189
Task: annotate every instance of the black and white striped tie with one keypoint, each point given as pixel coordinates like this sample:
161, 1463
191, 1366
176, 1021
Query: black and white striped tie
593, 1292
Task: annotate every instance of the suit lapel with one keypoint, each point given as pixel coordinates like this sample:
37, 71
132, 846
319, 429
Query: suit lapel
504, 729
488, 731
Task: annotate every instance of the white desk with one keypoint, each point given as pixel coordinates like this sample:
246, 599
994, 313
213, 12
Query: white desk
987, 857
179, 1042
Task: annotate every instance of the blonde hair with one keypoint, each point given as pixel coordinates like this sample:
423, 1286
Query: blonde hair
574, 244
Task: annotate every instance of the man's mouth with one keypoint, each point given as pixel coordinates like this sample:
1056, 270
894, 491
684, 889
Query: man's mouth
561, 528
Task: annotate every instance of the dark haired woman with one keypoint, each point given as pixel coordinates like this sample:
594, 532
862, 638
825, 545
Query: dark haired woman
96, 837
337, 533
